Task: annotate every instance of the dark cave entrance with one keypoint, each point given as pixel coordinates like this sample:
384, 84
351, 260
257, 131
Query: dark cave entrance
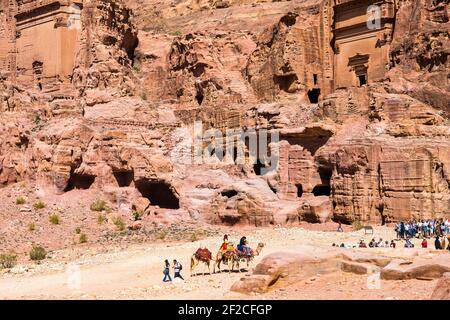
199, 95
299, 190
322, 190
124, 178
362, 79
258, 167
285, 82
313, 95
158, 193
217, 152
229, 193
79, 181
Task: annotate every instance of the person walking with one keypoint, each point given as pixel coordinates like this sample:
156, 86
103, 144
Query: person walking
177, 267
166, 271
339, 229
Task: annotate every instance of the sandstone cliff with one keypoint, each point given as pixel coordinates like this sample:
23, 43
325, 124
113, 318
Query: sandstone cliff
371, 145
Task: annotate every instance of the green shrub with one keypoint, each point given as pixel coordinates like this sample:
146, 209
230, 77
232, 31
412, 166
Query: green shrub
197, 235
357, 225
83, 238
37, 253
101, 219
78, 230
162, 234
54, 219
39, 205
138, 214
176, 33
20, 200
31, 227
98, 205
119, 223
8, 260
194, 237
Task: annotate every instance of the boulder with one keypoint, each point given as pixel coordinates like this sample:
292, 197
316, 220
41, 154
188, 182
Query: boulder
442, 289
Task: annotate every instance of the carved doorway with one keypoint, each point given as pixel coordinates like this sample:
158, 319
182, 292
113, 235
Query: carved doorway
38, 68
359, 64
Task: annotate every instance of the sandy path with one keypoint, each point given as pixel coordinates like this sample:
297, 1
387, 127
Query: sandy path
136, 272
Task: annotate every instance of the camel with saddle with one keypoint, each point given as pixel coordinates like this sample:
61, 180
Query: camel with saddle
232, 256
225, 256
239, 256
201, 256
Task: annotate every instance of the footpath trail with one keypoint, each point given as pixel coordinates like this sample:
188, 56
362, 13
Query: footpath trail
136, 272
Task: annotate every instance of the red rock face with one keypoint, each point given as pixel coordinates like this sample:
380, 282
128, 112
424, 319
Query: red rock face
356, 141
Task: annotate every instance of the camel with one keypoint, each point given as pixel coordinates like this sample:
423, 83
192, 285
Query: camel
236, 259
226, 259
205, 259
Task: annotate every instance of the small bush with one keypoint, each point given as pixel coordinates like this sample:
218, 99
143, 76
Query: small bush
54, 219
20, 200
357, 225
197, 235
176, 33
162, 234
78, 230
31, 227
119, 223
194, 237
8, 260
101, 219
39, 205
138, 214
83, 238
98, 205
38, 253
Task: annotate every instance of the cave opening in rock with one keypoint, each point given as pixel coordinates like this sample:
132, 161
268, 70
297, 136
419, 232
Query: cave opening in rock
79, 181
258, 168
299, 190
124, 178
325, 174
218, 153
362, 80
313, 95
229, 193
289, 20
315, 78
312, 139
322, 190
285, 82
158, 193
235, 154
199, 97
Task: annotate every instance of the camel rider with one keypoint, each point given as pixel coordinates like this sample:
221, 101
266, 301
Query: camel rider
242, 246
224, 246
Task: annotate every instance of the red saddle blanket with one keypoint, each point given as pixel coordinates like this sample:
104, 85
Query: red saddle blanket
203, 254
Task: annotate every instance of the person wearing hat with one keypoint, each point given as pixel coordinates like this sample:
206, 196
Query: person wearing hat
224, 246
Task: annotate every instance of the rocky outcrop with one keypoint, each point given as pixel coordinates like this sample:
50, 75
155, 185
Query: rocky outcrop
442, 290
420, 52
285, 268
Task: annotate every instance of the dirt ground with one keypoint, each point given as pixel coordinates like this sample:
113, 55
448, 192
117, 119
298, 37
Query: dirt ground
134, 271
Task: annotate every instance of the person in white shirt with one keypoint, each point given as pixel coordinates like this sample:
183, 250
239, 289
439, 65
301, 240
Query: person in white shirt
177, 270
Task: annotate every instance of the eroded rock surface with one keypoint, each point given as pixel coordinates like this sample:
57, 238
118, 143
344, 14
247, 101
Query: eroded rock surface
284, 268
363, 124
